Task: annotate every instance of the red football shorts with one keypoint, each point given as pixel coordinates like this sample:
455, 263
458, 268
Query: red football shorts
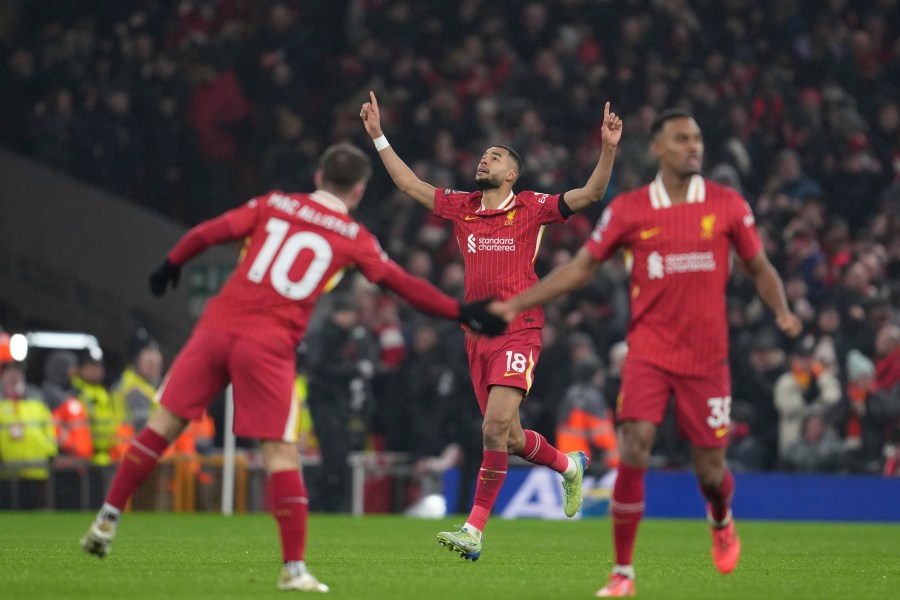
507, 359
702, 402
262, 379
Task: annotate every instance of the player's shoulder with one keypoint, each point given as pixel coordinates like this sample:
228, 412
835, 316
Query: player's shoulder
457, 194
529, 197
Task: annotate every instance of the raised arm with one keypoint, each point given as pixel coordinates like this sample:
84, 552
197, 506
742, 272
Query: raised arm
403, 176
561, 280
771, 290
595, 188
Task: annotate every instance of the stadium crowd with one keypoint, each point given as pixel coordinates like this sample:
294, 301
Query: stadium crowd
189, 107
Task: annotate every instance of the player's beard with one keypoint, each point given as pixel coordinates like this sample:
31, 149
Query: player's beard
488, 183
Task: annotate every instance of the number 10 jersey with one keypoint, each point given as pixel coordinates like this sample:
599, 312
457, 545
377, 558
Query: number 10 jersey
296, 248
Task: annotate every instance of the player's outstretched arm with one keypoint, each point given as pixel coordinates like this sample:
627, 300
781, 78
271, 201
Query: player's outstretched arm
232, 225
595, 188
403, 176
563, 279
771, 290
427, 298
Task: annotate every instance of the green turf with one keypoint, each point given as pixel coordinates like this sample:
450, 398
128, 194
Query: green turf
210, 556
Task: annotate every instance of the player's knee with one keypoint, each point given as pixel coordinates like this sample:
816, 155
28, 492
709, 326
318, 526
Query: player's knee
495, 434
709, 474
635, 451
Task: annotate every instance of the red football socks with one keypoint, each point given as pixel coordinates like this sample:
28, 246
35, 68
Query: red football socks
719, 497
627, 508
490, 480
538, 450
290, 507
138, 462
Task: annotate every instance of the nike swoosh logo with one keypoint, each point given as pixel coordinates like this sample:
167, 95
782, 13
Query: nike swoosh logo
721, 432
649, 233
471, 218
511, 374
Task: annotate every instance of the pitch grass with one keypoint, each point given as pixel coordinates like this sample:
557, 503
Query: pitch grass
204, 556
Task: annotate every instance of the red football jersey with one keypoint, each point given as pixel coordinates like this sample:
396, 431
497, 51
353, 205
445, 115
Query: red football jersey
297, 246
499, 246
680, 262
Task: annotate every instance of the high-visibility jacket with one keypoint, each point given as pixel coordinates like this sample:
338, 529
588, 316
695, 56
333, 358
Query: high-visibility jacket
131, 382
584, 430
73, 432
27, 435
103, 417
200, 430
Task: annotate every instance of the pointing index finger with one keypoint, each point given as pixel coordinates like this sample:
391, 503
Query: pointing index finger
373, 99
606, 112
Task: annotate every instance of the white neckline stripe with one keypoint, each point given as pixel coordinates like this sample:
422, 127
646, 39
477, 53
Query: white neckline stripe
659, 197
506, 204
329, 200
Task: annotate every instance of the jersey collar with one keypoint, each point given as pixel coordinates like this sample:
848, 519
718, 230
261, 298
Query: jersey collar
505, 205
659, 197
329, 200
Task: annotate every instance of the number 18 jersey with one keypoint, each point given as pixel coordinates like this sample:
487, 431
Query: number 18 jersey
499, 246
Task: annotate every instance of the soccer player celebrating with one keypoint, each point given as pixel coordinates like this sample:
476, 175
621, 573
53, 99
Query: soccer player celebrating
679, 229
297, 246
499, 232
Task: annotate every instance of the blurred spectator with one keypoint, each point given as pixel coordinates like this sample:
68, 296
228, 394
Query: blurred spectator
341, 361
27, 441
551, 378
430, 410
809, 384
73, 429
884, 402
59, 368
862, 439
789, 179
817, 448
584, 421
216, 111
103, 417
756, 388
134, 394
422, 400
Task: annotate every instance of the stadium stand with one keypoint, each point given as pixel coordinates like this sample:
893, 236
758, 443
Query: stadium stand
172, 111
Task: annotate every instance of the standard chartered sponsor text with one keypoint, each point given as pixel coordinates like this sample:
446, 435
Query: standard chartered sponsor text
497, 244
690, 262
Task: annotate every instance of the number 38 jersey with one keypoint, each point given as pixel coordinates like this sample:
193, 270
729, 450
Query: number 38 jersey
297, 246
680, 263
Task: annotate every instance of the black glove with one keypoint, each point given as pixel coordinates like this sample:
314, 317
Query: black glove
160, 278
476, 316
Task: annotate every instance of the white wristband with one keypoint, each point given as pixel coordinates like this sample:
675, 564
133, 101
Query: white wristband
381, 143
